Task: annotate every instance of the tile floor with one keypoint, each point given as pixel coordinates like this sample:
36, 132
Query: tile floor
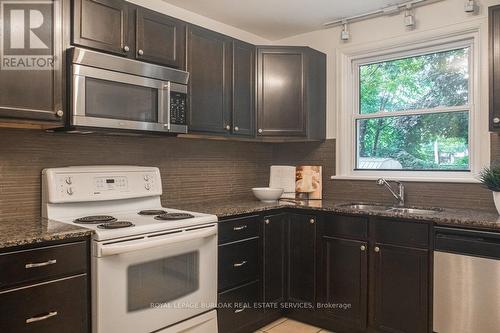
285, 325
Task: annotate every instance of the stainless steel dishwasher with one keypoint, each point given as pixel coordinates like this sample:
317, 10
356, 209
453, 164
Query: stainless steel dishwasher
466, 281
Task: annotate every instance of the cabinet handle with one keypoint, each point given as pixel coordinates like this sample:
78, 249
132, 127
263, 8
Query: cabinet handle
60, 113
240, 228
239, 264
376, 249
496, 120
140, 52
236, 128
239, 310
260, 130
41, 264
362, 247
47, 316
228, 127
312, 221
267, 221
126, 48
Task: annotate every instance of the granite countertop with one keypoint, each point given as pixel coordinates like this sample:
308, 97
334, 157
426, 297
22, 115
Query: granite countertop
19, 232
475, 219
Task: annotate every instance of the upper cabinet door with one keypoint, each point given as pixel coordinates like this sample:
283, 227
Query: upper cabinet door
209, 64
160, 38
103, 25
281, 109
243, 88
32, 71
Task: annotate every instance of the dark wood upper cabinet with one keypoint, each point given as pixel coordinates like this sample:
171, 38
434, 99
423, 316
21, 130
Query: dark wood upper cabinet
37, 93
243, 97
281, 109
209, 62
399, 287
122, 28
494, 67
160, 38
343, 279
291, 92
302, 258
104, 25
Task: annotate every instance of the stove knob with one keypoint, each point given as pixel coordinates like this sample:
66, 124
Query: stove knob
147, 187
68, 180
70, 191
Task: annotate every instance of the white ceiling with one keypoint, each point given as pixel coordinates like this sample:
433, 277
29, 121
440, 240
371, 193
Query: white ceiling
277, 19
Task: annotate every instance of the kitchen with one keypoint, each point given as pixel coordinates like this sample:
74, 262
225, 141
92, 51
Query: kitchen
353, 261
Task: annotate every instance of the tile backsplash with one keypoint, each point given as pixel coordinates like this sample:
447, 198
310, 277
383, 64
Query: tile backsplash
198, 170
192, 169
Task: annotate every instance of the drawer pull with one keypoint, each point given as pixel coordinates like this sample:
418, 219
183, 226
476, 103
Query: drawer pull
240, 228
239, 310
41, 264
239, 264
35, 319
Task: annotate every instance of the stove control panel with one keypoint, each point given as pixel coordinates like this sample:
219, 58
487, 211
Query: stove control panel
100, 183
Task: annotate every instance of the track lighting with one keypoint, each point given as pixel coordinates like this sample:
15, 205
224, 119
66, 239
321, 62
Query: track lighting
409, 17
344, 34
470, 6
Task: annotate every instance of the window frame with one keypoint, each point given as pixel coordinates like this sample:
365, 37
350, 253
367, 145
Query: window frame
349, 60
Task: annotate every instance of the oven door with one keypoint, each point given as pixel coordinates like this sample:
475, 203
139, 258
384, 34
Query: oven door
109, 99
143, 285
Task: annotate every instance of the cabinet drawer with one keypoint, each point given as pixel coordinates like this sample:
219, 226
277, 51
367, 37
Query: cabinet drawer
238, 263
39, 264
346, 226
240, 228
234, 316
400, 232
58, 306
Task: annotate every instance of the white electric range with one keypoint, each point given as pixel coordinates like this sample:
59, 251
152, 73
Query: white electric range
153, 268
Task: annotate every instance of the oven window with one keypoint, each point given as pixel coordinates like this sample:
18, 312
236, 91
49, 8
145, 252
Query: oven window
115, 100
162, 281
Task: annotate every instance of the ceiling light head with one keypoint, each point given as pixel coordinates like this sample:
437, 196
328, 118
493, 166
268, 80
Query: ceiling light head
470, 6
409, 17
344, 34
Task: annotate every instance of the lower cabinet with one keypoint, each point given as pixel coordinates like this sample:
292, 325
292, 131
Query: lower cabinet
240, 274
400, 289
45, 289
343, 273
275, 261
343, 281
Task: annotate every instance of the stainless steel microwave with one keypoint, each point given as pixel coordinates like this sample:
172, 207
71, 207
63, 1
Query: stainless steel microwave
113, 93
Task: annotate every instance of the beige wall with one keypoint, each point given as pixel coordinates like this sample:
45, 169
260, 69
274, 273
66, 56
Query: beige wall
168, 9
428, 18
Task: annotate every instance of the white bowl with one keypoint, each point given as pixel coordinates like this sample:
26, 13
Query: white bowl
267, 194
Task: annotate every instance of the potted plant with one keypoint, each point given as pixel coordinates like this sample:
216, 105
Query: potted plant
490, 177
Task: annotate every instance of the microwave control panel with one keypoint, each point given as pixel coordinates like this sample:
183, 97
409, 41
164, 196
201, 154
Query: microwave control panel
178, 108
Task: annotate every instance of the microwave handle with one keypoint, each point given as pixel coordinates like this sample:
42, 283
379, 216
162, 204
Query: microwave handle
109, 250
165, 104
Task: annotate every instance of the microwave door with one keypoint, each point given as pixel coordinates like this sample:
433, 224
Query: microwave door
107, 99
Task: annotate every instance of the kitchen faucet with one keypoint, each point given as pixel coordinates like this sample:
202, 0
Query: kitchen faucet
399, 197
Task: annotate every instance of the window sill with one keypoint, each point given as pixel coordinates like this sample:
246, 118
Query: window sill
467, 180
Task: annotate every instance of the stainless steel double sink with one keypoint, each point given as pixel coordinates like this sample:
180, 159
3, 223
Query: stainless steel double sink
385, 208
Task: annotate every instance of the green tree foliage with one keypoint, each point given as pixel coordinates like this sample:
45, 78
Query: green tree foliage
421, 82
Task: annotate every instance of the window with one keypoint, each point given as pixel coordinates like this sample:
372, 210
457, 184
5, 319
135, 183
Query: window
411, 108
414, 112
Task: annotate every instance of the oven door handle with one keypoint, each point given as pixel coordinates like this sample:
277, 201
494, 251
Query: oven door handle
147, 243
